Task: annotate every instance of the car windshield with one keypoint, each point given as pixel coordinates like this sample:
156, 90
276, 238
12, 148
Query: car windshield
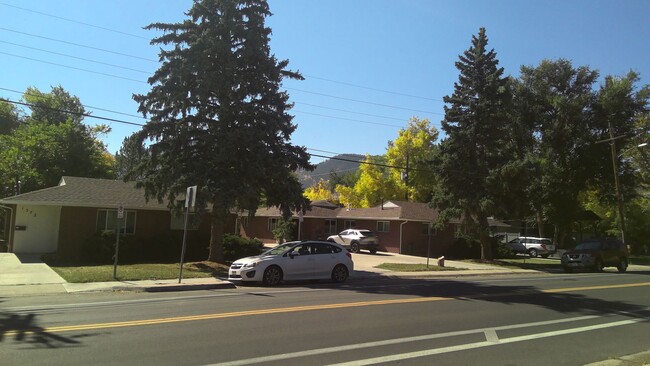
279, 249
590, 245
366, 233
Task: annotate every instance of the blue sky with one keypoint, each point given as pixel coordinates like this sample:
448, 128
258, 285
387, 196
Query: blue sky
369, 65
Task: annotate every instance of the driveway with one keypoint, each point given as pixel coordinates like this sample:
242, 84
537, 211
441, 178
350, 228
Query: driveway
27, 269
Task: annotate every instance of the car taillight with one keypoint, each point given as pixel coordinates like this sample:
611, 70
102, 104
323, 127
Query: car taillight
348, 254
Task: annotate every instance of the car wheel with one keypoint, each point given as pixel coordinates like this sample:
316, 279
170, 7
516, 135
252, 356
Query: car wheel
340, 273
354, 247
622, 265
598, 267
532, 253
568, 270
373, 251
272, 276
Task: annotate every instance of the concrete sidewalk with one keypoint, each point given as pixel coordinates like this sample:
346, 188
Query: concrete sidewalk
33, 277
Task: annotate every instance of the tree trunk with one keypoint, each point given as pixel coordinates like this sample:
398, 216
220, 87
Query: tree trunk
216, 236
540, 224
484, 237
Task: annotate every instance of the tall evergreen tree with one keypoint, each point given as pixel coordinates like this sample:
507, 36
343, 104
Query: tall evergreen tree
218, 118
472, 153
131, 154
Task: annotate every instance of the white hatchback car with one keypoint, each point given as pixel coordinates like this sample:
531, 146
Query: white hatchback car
297, 260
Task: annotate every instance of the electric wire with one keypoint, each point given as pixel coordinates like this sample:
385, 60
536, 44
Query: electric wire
75, 21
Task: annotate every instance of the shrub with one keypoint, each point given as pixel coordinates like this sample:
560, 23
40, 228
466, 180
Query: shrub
235, 247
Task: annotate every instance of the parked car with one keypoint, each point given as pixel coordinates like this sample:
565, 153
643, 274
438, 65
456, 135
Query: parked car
297, 260
355, 240
596, 254
533, 246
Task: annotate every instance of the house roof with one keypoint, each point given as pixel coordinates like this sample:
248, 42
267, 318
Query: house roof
390, 210
88, 192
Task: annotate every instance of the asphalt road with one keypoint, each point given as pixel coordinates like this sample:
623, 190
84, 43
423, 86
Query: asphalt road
535, 320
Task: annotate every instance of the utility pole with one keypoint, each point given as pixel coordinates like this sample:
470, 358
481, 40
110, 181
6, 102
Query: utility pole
619, 196
406, 178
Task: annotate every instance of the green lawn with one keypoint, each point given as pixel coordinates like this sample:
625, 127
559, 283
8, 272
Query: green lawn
135, 272
527, 263
402, 267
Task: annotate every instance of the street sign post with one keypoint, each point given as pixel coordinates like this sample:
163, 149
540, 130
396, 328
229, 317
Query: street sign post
190, 201
120, 216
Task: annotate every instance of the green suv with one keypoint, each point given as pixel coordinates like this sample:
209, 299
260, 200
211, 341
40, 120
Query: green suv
595, 254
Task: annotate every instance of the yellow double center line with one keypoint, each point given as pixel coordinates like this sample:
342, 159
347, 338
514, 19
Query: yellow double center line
235, 314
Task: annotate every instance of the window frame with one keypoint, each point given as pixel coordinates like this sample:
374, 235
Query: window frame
349, 224
384, 225
272, 223
328, 226
105, 228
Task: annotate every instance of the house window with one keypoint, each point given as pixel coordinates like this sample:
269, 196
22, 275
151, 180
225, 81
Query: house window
349, 224
178, 222
107, 222
383, 226
330, 226
273, 224
427, 228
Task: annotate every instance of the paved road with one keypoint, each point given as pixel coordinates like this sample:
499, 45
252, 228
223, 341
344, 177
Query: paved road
535, 320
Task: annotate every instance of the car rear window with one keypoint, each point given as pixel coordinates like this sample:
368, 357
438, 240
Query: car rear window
546, 241
367, 233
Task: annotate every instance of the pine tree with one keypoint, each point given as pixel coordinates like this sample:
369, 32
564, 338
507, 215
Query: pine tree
218, 118
472, 152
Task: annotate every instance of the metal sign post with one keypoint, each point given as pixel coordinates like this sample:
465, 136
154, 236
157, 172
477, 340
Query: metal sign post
120, 216
190, 199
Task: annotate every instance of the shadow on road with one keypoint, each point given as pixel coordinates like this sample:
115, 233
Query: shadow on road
24, 329
565, 300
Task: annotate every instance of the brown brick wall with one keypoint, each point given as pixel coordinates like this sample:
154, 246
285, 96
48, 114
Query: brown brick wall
78, 225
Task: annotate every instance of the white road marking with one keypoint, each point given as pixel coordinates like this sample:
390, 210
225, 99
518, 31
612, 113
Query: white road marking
462, 347
490, 333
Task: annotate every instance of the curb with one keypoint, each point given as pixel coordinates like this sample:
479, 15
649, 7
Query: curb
179, 287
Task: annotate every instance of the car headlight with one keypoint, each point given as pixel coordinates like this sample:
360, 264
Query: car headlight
250, 265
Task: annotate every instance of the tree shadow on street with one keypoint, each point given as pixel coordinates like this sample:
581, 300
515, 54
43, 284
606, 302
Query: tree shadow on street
569, 298
24, 329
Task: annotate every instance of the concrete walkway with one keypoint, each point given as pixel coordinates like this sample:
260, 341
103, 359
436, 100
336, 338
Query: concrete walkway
27, 274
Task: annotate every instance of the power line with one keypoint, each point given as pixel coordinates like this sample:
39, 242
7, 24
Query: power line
373, 89
84, 105
361, 101
78, 44
146, 38
74, 68
349, 111
348, 119
72, 112
76, 21
78, 58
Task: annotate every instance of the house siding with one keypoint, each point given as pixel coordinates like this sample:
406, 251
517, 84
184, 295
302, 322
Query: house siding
78, 226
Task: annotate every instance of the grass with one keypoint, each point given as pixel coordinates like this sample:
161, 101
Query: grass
403, 267
136, 272
527, 263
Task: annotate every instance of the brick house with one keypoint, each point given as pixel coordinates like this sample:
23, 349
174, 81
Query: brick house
63, 218
402, 227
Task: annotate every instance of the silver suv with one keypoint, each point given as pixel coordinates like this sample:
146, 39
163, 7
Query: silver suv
533, 246
355, 240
